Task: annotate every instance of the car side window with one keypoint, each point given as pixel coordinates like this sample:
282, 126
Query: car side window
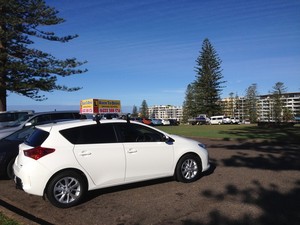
91, 134
41, 119
137, 133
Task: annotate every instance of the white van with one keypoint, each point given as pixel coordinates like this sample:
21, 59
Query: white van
216, 120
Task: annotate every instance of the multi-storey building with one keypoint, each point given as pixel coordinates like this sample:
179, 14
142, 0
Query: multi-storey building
165, 112
265, 105
236, 107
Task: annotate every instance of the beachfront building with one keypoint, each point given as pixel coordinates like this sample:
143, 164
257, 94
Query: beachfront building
237, 106
165, 112
265, 105
234, 107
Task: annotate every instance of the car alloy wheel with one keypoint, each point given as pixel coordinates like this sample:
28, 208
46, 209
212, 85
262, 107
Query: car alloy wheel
188, 168
66, 189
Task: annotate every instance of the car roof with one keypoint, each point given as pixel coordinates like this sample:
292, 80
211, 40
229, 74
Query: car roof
78, 123
85, 122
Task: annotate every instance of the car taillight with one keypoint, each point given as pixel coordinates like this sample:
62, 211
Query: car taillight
38, 152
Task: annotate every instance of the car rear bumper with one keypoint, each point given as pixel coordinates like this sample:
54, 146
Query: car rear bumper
28, 179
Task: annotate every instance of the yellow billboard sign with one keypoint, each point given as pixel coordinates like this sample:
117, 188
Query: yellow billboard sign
95, 106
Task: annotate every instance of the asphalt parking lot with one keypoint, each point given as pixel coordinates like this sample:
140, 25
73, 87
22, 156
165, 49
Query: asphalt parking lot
251, 183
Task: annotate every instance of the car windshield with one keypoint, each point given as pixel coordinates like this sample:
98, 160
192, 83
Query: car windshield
20, 134
20, 120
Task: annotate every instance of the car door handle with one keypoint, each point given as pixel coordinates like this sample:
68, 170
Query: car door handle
132, 150
84, 153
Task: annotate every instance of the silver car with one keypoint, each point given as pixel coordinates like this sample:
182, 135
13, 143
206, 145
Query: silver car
41, 118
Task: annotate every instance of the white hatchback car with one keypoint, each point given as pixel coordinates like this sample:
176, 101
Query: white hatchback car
63, 161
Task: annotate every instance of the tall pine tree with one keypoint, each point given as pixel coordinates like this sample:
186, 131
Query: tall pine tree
25, 70
251, 103
144, 109
208, 83
189, 106
278, 90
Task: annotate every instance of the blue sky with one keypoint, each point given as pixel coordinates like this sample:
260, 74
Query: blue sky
146, 49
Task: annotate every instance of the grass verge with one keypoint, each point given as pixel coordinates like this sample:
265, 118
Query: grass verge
4, 220
243, 131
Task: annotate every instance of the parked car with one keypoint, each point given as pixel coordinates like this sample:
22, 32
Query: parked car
9, 149
109, 116
8, 118
216, 120
65, 160
174, 122
199, 120
156, 122
226, 120
165, 122
41, 118
235, 120
147, 121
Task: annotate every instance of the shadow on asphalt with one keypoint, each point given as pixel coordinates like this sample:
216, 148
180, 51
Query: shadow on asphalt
274, 155
278, 208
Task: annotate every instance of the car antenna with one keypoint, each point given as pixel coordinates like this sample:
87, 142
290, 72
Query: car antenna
128, 117
97, 117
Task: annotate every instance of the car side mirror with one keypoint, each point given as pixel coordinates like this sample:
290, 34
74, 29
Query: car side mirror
28, 124
167, 139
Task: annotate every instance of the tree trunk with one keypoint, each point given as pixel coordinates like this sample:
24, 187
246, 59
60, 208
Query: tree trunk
2, 99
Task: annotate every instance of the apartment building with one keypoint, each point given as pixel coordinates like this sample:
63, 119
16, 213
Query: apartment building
234, 107
165, 112
265, 105
237, 106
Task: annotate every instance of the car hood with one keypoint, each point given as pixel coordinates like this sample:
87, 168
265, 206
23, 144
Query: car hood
182, 139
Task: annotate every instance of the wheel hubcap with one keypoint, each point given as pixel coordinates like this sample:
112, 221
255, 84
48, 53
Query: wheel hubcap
66, 190
189, 169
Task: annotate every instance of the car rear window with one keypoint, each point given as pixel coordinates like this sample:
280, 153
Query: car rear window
91, 134
37, 138
20, 135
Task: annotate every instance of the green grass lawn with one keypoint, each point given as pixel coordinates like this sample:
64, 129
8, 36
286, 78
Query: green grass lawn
245, 131
4, 220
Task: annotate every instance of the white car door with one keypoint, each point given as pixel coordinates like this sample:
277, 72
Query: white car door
147, 154
147, 160
100, 155
105, 163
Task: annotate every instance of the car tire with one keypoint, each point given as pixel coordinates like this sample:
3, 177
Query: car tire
9, 168
188, 168
66, 189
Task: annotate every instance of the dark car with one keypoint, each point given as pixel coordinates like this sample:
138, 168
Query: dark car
41, 118
174, 122
9, 149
